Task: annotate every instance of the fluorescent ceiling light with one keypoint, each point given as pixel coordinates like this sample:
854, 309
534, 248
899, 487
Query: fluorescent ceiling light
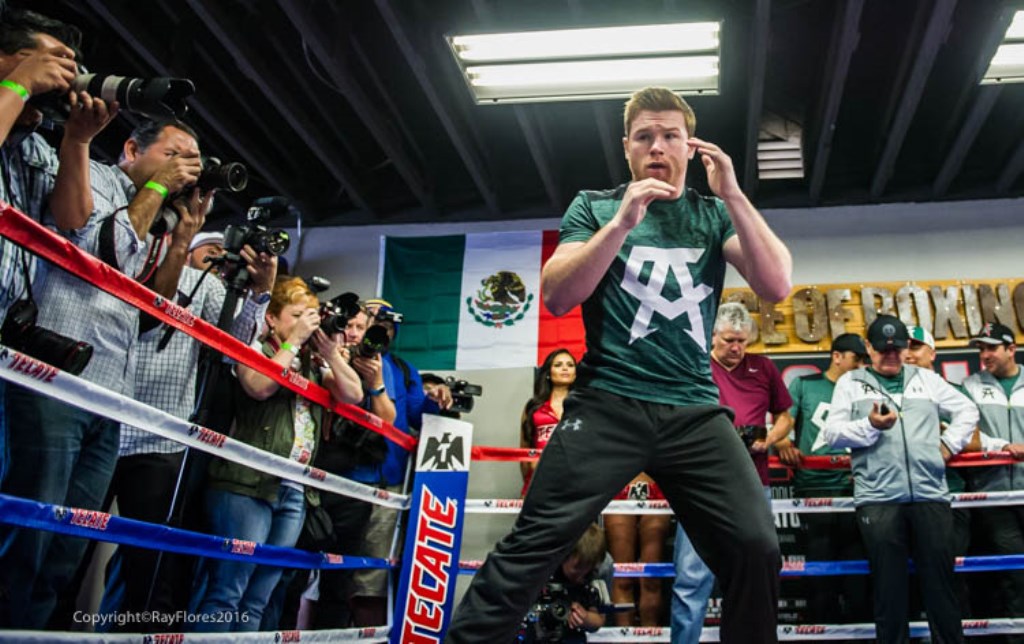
1007, 64
588, 43
577, 64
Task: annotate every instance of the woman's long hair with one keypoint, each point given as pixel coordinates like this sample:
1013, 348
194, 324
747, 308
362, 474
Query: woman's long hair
541, 393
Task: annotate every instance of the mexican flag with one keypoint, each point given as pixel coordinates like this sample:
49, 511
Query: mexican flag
474, 301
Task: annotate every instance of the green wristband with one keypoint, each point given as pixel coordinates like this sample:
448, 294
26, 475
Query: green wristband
286, 346
16, 88
157, 188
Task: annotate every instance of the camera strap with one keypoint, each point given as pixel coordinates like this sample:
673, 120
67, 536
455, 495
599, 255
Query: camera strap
108, 254
108, 251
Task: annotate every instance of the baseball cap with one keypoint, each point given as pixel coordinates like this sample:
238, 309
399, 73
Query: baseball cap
920, 334
202, 239
850, 342
994, 333
888, 331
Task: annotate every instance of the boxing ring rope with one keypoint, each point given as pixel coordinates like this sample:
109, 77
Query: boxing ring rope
59, 251
437, 502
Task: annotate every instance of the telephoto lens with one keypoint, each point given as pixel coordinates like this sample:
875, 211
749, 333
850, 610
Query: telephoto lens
153, 97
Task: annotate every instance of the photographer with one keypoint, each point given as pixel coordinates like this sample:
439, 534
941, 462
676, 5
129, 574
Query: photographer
243, 503
568, 606
37, 56
369, 601
145, 478
355, 453
59, 454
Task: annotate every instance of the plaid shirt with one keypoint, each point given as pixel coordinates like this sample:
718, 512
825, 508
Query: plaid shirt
29, 167
167, 379
72, 307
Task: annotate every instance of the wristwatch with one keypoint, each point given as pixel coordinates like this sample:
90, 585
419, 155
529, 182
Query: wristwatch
376, 392
261, 298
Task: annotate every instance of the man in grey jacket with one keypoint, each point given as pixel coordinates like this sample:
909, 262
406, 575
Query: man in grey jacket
888, 415
998, 391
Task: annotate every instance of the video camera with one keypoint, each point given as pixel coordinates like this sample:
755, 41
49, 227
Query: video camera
463, 394
548, 619
155, 98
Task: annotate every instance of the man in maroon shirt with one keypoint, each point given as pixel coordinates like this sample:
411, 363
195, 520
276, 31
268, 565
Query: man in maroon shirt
753, 388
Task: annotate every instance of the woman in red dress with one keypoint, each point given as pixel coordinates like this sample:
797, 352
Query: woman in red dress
544, 410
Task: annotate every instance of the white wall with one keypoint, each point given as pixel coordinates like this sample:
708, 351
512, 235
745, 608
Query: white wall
892, 242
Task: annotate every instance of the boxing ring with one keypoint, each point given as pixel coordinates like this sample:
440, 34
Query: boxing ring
423, 598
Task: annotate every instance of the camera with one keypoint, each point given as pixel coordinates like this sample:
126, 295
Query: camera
20, 333
462, 394
375, 341
750, 434
232, 177
548, 619
273, 241
155, 98
336, 312
316, 283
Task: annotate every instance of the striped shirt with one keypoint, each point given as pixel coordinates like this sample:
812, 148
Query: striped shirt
167, 379
79, 310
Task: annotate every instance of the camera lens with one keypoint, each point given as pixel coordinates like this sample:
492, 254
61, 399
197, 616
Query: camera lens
273, 242
153, 97
232, 177
375, 341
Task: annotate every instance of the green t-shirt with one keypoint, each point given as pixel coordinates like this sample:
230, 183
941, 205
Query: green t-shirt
1008, 383
812, 396
892, 384
649, 321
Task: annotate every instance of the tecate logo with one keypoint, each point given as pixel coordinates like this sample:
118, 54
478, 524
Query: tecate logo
431, 571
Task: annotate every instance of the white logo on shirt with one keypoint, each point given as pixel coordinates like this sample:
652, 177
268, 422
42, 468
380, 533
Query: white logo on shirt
649, 294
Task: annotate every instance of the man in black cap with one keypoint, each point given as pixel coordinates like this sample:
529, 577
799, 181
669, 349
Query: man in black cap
829, 536
998, 391
888, 415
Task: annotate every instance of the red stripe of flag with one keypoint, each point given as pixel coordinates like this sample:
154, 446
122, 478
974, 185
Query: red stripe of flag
562, 332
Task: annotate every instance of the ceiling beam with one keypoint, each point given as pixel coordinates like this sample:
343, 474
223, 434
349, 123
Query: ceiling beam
289, 109
274, 137
968, 132
531, 130
756, 64
1012, 170
612, 157
924, 55
301, 75
471, 159
610, 146
538, 150
310, 28
135, 39
845, 37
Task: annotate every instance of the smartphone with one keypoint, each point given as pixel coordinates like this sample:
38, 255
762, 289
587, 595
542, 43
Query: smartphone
883, 409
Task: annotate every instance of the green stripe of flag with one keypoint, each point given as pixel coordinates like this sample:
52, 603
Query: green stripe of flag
423, 280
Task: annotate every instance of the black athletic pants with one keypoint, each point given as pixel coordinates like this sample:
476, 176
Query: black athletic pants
603, 441
892, 534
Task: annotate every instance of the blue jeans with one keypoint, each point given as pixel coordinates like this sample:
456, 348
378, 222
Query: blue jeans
692, 588
62, 455
237, 592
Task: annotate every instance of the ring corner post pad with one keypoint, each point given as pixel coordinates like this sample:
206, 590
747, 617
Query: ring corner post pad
425, 594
